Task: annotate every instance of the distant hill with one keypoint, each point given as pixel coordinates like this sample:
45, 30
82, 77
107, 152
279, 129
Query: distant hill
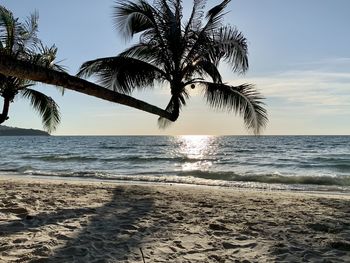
12, 131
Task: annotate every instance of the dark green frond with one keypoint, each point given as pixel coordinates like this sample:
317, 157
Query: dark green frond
132, 18
45, 106
215, 15
122, 74
46, 58
8, 26
200, 42
243, 100
160, 27
145, 52
231, 45
203, 68
217, 10
18, 39
28, 32
195, 21
169, 32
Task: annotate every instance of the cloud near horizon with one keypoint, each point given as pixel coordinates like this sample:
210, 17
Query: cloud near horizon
325, 92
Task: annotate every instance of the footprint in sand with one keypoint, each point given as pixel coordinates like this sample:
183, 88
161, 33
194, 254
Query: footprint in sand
228, 245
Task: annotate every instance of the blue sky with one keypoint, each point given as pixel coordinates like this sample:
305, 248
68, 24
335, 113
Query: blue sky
299, 54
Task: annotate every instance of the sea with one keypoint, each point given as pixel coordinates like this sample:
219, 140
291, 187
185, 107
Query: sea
300, 163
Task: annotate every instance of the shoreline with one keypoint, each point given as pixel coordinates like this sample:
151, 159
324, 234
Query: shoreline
64, 221
235, 186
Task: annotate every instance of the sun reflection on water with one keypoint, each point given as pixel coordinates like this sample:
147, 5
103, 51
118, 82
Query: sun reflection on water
197, 151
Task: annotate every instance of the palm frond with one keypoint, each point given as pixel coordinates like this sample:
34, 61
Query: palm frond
122, 74
45, 106
167, 32
230, 44
132, 18
200, 42
216, 12
46, 58
140, 17
195, 21
244, 100
203, 68
8, 26
145, 52
28, 33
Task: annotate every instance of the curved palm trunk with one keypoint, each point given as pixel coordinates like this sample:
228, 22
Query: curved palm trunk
176, 111
5, 110
173, 108
24, 70
176, 88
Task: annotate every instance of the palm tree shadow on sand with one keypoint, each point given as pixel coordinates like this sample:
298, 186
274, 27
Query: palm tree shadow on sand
114, 233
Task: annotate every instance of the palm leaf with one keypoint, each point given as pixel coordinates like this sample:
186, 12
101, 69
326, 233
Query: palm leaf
28, 33
243, 100
145, 52
215, 15
202, 37
46, 58
122, 74
140, 17
45, 106
195, 21
132, 18
203, 68
231, 45
7, 29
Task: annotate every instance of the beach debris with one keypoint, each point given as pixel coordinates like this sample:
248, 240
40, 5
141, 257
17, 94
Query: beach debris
143, 257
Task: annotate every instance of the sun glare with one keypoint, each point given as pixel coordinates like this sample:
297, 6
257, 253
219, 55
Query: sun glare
196, 149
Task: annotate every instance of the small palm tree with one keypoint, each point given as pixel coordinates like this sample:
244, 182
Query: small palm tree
20, 41
185, 55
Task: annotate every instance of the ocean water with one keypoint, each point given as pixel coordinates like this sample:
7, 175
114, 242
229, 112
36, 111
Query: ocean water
306, 163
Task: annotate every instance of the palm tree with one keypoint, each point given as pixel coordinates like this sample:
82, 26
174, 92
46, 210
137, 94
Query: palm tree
19, 41
25, 70
184, 55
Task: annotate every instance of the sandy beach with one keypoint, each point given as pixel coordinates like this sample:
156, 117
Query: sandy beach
74, 221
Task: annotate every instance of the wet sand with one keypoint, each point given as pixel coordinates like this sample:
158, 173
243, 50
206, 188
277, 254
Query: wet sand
76, 221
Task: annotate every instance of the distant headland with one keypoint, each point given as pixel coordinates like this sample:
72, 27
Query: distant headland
13, 131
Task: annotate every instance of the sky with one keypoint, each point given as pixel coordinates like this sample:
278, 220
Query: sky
299, 56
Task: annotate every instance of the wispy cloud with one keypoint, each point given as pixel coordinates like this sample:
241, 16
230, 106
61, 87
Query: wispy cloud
324, 63
325, 91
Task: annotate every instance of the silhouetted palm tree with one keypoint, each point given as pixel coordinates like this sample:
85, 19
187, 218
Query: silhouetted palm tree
186, 55
19, 41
